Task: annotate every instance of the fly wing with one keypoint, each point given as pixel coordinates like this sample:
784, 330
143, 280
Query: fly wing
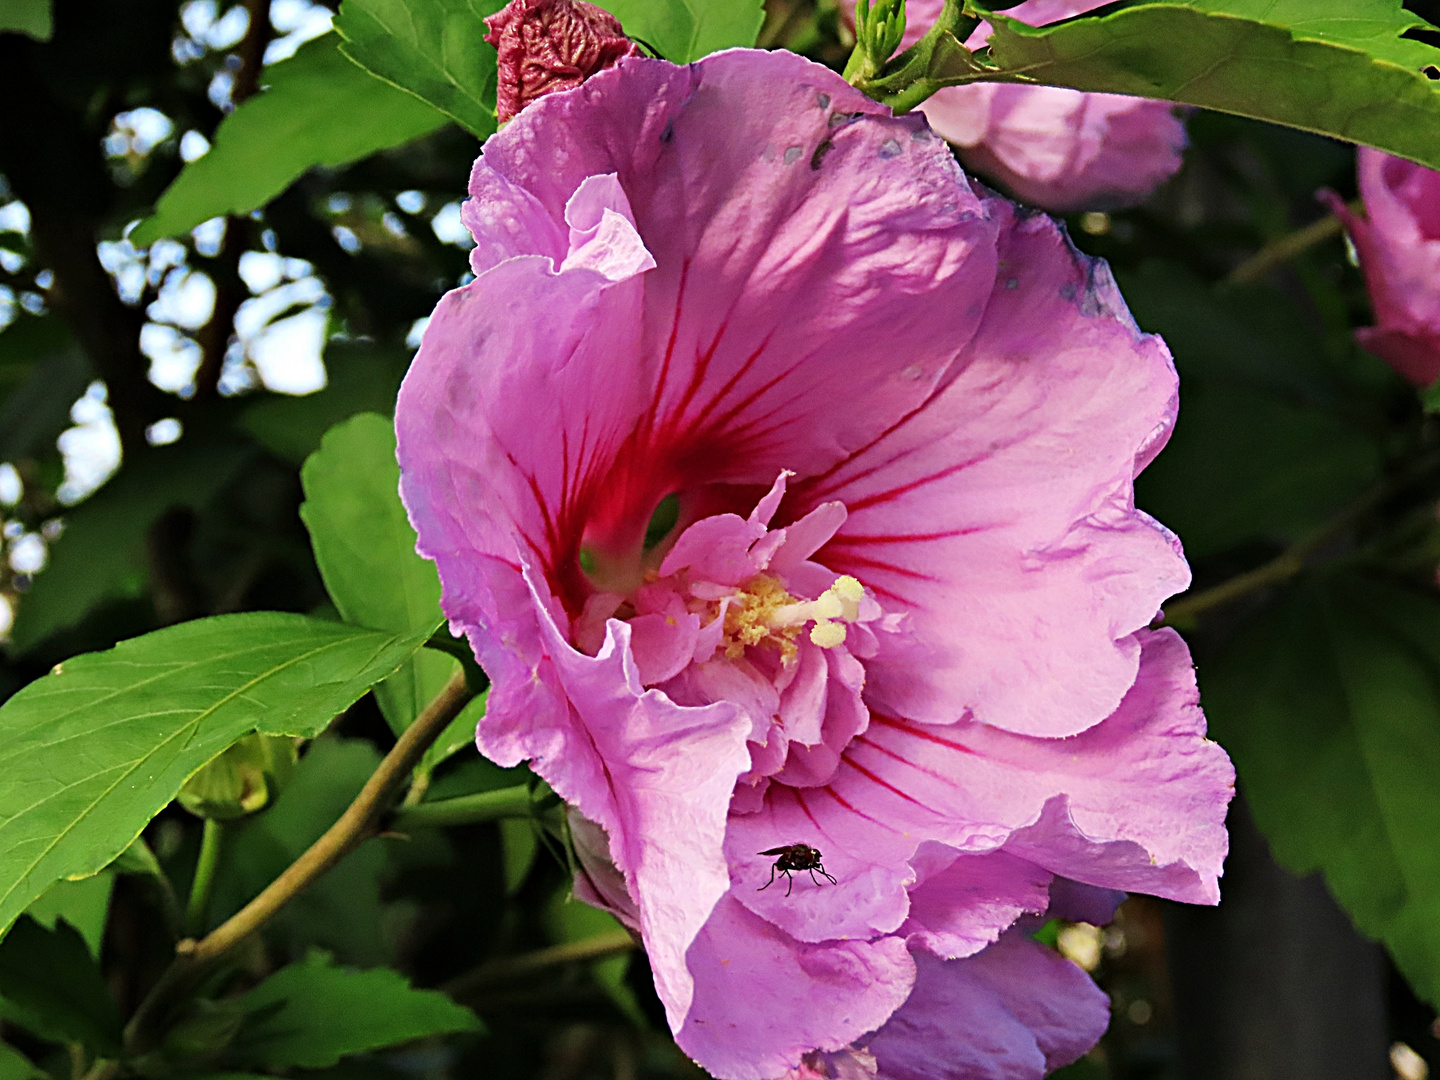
775, 850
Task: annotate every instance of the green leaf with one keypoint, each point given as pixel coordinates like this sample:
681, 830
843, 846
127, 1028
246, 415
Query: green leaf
42, 374
1329, 704
1270, 440
686, 30
101, 554
1242, 66
1375, 26
84, 904
53, 987
310, 115
30, 17
94, 750
365, 549
16, 1066
312, 1014
519, 846
361, 378
435, 49
343, 911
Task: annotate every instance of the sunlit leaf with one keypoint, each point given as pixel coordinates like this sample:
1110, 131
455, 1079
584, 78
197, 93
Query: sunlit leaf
94, 750
1327, 84
365, 549
30, 17
435, 49
685, 30
319, 109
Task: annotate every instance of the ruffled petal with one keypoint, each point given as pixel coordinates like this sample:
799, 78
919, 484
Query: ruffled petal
971, 902
665, 774
794, 225
1013, 1012
763, 1000
1000, 515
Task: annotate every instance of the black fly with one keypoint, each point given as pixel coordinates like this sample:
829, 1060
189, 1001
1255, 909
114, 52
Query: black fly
794, 857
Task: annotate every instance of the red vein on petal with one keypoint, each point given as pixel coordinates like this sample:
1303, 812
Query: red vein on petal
863, 771
871, 563
647, 423
904, 489
733, 381
920, 733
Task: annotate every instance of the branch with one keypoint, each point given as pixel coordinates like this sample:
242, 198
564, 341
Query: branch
1293, 559
357, 824
195, 959
512, 802
595, 948
1282, 249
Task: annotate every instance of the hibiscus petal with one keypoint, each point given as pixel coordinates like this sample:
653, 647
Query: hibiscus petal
763, 999
669, 772
867, 857
966, 906
602, 231
1398, 239
1083, 903
1004, 505
795, 225
1136, 803
1059, 148
1012, 1012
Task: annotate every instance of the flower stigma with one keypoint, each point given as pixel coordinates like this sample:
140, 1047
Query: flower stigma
763, 613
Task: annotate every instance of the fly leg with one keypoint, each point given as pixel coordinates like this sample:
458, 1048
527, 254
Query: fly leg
767, 884
790, 878
825, 872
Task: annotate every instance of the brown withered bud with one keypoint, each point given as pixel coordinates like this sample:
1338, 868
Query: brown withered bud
550, 45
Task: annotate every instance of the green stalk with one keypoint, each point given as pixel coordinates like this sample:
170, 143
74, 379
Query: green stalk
513, 802
201, 888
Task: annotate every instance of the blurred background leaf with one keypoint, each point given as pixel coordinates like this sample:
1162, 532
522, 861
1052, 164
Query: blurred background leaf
1330, 703
30, 17
305, 117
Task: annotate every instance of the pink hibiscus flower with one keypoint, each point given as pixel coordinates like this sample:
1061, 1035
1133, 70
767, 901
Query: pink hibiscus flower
1399, 245
1059, 149
902, 613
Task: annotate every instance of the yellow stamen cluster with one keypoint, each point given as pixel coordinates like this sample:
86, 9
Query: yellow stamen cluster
764, 613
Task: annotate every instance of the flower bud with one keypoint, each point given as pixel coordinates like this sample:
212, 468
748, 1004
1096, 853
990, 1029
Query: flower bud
242, 780
550, 45
1398, 241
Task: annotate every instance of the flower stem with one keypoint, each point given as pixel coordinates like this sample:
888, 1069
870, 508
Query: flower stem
1293, 559
495, 971
211, 841
193, 959
512, 802
1282, 249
